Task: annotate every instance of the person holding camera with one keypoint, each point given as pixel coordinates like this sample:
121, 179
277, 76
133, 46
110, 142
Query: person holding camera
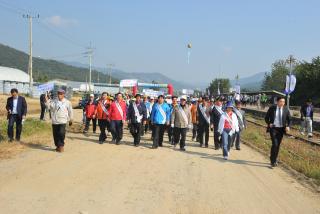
61, 114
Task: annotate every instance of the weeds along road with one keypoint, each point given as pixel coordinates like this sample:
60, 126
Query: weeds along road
93, 178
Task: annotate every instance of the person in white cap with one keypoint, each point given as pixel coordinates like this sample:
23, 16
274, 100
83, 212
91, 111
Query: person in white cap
61, 114
180, 122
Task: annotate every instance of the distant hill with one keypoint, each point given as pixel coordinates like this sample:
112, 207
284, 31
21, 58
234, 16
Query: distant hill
45, 69
252, 83
140, 76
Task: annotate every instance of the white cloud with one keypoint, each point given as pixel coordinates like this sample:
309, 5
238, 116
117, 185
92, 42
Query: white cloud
59, 21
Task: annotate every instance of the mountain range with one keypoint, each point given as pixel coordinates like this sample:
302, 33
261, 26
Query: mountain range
47, 69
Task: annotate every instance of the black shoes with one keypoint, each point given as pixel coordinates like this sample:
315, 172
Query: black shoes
182, 149
274, 164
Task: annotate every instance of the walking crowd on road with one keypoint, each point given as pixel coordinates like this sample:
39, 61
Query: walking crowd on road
173, 115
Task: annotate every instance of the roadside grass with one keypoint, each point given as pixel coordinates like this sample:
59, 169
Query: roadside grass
298, 155
35, 133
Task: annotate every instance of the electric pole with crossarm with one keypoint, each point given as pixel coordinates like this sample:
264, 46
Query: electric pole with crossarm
30, 50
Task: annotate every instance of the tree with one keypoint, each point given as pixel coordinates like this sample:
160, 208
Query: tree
224, 86
308, 79
276, 80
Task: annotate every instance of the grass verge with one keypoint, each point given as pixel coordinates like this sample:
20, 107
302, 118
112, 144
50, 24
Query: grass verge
298, 155
35, 134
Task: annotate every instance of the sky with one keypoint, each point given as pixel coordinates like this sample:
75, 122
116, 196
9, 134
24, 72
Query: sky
228, 37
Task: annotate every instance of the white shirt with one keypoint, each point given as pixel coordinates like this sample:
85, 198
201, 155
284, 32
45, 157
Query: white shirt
15, 104
276, 122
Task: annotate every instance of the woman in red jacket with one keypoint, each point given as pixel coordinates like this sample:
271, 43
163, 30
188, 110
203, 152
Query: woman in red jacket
90, 110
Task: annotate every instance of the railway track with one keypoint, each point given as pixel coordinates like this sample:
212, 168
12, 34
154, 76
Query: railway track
314, 141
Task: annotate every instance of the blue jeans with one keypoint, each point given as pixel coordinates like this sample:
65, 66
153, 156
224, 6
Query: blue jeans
226, 142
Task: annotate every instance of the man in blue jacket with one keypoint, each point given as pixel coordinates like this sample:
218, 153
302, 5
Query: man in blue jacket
160, 118
137, 117
17, 111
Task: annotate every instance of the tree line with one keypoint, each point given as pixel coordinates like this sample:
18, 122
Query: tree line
307, 86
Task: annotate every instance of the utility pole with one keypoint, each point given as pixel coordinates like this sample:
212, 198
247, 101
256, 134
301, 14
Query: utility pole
29, 17
89, 53
110, 71
291, 61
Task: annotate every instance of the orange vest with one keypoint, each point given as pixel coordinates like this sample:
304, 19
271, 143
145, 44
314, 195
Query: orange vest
194, 110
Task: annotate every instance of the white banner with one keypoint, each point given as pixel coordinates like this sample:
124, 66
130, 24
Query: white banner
187, 91
46, 87
290, 83
152, 93
128, 83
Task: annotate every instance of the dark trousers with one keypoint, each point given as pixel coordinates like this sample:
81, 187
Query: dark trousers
170, 133
136, 129
94, 124
180, 135
43, 110
103, 124
59, 133
237, 137
194, 131
158, 132
204, 132
14, 118
116, 128
216, 139
276, 135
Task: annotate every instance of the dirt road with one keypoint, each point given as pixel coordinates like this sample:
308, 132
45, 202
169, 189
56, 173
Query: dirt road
93, 178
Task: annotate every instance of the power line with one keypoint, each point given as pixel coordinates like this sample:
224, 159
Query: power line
14, 8
10, 8
59, 34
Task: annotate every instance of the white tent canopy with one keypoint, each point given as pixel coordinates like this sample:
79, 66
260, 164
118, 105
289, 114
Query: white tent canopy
14, 75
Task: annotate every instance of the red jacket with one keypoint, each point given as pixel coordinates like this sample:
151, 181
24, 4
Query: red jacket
100, 113
114, 112
90, 109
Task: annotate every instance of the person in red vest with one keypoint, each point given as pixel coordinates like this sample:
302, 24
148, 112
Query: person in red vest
118, 111
90, 112
102, 114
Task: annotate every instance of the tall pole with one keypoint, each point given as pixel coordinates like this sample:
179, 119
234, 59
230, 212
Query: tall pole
291, 60
110, 71
89, 54
90, 71
30, 18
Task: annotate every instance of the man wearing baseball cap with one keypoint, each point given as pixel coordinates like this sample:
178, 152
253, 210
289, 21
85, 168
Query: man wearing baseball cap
160, 117
180, 122
203, 116
61, 114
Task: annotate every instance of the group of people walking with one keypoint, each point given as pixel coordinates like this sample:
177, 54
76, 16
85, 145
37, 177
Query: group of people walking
176, 116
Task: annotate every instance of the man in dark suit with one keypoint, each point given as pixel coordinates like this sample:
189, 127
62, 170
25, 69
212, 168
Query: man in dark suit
214, 121
17, 111
137, 117
203, 116
278, 120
